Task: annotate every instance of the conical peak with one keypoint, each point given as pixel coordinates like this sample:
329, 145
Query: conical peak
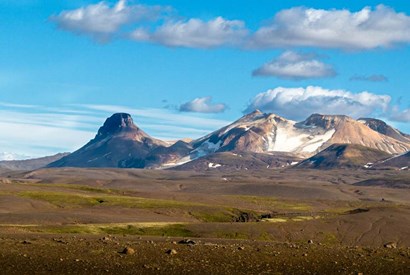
116, 123
325, 121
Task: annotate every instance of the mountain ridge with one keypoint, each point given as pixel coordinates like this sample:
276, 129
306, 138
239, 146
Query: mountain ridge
121, 143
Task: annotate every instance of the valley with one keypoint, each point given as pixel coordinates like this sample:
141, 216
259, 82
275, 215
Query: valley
268, 212
328, 194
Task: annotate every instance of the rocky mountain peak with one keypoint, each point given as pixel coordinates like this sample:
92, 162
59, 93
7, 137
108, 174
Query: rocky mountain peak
117, 123
383, 128
325, 121
252, 116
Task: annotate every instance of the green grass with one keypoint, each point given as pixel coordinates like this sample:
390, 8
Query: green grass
177, 230
213, 215
232, 235
274, 203
173, 230
70, 200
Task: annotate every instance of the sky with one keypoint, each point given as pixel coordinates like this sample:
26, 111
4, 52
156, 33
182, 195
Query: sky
185, 68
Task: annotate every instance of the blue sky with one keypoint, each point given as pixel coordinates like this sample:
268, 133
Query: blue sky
184, 68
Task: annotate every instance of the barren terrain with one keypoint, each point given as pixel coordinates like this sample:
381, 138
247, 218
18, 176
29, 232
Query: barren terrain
285, 221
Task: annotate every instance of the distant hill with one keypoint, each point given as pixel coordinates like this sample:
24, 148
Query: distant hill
31, 164
397, 162
229, 161
344, 156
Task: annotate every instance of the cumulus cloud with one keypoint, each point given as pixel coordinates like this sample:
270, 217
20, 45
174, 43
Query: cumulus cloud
101, 20
365, 29
343, 29
370, 78
399, 115
202, 105
195, 33
297, 103
296, 66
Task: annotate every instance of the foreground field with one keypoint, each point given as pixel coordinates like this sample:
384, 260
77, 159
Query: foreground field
259, 222
85, 254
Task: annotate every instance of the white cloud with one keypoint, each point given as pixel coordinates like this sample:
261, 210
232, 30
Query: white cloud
298, 103
166, 117
202, 105
299, 26
101, 21
296, 66
399, 115
370, 78
195, 33
366, 29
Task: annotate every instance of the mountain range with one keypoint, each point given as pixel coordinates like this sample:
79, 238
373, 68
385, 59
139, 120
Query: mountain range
256, 140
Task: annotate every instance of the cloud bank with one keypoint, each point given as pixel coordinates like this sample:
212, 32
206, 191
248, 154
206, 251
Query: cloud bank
295, 66
368, 28
202, 105
101, 21
195, 33
298, 103
399, 115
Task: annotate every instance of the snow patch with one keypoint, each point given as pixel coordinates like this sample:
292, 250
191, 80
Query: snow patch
176, 163
214, 165
291, 139
11, 156
317, 141
368, 165
206, 148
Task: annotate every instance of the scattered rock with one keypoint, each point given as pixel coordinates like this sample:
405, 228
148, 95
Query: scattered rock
310, 242
171, 252
390, 245
187, 241
241, 248
26, 242
60, 241
128, 251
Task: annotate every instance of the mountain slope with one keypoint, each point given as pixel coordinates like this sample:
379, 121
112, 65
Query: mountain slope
31, 164
350, 131
118, 143
385, 129
399, 162
261, 133
228, 161
344, 156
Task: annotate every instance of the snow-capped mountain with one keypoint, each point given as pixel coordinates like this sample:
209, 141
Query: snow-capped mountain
264, 133
12, 156
120, 143
269, 133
